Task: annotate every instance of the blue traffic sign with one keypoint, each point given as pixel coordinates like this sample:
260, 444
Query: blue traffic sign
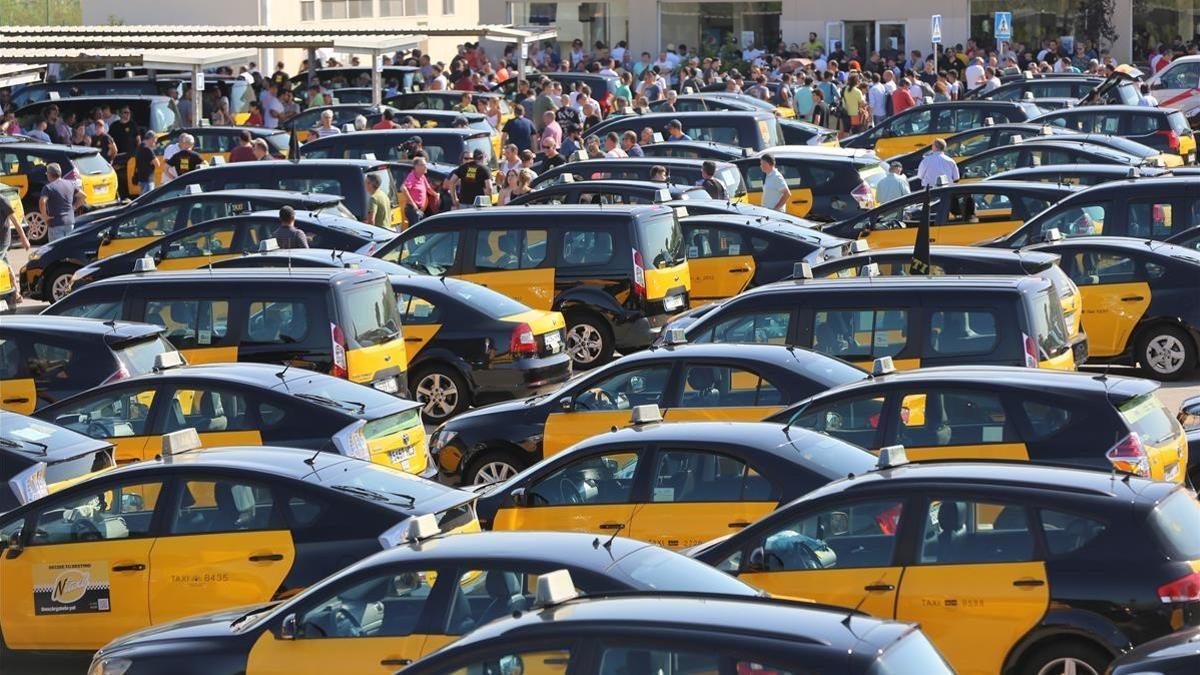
1003, 26
935, 28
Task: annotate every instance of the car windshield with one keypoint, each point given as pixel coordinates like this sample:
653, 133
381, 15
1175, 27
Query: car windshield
661, 240
91, 164
1149, 419
654, 568
1049, 327
278, 142
335, 392
380, 484
491, 303
369, 314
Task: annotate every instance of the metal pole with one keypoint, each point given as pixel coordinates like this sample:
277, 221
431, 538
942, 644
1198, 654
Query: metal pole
376, 79
311, 75
520, 61
197, 97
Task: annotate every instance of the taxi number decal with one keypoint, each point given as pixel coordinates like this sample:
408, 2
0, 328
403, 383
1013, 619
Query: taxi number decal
199, 579
71, 588
952, 602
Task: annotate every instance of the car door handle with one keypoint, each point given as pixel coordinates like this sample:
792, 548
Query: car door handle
1133, 298
879, 587
611, 526
134, 567
395, 662
24, 399
737, 270
412, 339
1028, 583
739, 523
266, 557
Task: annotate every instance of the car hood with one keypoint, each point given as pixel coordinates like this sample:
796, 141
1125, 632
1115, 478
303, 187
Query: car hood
200, 626
1174, 646
98, 216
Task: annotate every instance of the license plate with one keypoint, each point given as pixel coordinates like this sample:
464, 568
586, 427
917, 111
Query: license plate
672, 302
100, 189
1172, 472
389, 385
553, 342
398, 456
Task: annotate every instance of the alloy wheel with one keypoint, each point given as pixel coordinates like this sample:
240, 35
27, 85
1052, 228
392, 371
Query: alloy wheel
584, 343
1165, 354
438, 395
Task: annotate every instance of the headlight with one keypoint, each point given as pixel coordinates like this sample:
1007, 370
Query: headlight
109, 666
441, 438
38, 253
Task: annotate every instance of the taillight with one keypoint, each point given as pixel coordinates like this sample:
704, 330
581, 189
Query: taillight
522, 342
1186, 589
1172, 138
121, 374
339, 352
1129, 456
639, 274
74, 176
862, 194
1031, 351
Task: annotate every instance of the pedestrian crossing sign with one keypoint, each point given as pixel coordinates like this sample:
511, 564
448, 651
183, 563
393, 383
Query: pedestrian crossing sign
936, 29
1003, 25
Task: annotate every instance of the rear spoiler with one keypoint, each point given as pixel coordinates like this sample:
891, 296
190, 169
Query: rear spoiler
1122, 73
122, 340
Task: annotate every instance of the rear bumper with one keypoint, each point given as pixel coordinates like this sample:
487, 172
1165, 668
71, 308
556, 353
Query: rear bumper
641, 332
521, 378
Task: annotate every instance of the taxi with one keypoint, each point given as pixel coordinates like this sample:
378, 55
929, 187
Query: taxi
446, 100
304, 125
23, 166
47, 274
686, 382
211, 143
696, 150
963, 144
917, 127
400, 604
1164, 129
434, 119
341, 322
37, 458
1019, 89
991, 412
719, 101
1083, 175
961, 213
674, 485
99, 86
755, 130
149, 112
194, 532
248, 405
677, 632
610, 191
44, 359
12, 195
441, 145
1045, 152
680, 171
1007, 567
826, 184
1140, 304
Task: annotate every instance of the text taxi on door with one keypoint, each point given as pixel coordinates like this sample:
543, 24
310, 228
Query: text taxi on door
197, 531
249, 404
1008, 567
341, 322
617, 274
687, 382
405, 602
917, 127
675, 485
827, 184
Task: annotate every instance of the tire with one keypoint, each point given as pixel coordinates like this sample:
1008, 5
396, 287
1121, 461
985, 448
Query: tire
493, 465
57, 283
589, 340
441, 391
1053, 659
1166, 352
36, 227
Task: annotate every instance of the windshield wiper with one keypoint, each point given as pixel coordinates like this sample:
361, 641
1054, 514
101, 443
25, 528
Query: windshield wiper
375, 494
20, 445
325, 400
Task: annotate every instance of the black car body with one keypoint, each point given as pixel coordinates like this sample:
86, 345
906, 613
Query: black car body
679, 171
151, 112
37, 456
1189, 238
1038, 152
612, 191
754, 130
1174, 654
1164, 129
303, 125
1084, 175
826, 184
963, 144
44, 91
695, 150
916, 127
341, 76
442, 145
23, 166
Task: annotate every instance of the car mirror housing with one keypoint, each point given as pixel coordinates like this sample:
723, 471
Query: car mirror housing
518, 497
757, 561
287, 628
566, 404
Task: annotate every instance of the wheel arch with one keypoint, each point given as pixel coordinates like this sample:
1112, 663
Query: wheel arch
1071, 624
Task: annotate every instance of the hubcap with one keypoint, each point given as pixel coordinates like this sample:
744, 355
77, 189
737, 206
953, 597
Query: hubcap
1067, 666
438, 395
35, 227
1165, 354
61, 286
493, 472
584, 343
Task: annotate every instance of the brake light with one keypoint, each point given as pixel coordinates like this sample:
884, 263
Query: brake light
339, 352
1031, 351
121, 374
1129, 455
74, 176
522, 342
862, 194
1186, 589
639, 274
1172, 138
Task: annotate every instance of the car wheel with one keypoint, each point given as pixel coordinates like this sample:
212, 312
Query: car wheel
442, 393
57, 284
1166, 352
589, 341
36, 227
1069, 657
493, 466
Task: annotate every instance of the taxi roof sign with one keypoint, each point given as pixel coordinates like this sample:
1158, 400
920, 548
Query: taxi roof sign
859, 246
883, 366
555, 588
870, 270
1052, 234
421, 527
646, 414
675, 336
168, 360
144, 264
802, 270
193, 189
482, 201
892, 455
267, 245
180, 441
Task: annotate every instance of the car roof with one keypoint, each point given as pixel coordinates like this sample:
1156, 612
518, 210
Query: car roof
1011, 377
690, 162
885, 283
423, 132
38, 147
296, 463
783, 356
784, 227
100, 98
315, 198
699, 114
309, 162
48, 324
961, 252
248, 274
1009, 185
1187, 182
230, 129
631, 210
623, 183
1126, 243
1113, 107
568, 548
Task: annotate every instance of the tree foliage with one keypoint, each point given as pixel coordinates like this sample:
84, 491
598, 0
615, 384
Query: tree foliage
1095, 21
41, 12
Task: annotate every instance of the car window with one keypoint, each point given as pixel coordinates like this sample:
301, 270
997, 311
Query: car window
1045, 419
710, 386
970, 144
277, 322
1077, 221
619, 660
211, 210
1151, 219
697, 476
1143, 124
1002, 160
931, 418
190, 323
10, 359
487, 595
840, 537
111, 415
417, 311
966, 531
94, 310
585, 247
383, 605
62, 366
710, 242
208, 411
793, 175
861, 334
114, 511
757, 327
1068, 532
1094, 268
959, 332
854, 420
624, 390
1181, 76
209, 242
597, 479
154, 222
435, 252
912, 124
509, 249
979, 207
223, 505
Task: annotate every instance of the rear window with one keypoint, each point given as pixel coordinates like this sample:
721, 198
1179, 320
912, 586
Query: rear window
656, 568
1150, 419
1179, 123
1055, 275
392, 424
1176, 521
338, 394
91, 164
369, 314
162, 118
871, 172
913, 654
661, 240
731, 178
278, 142
495, 305
1049, 327
483, 143
138, 358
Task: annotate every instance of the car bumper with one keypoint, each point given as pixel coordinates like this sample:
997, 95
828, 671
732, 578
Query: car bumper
641, 332
521, 378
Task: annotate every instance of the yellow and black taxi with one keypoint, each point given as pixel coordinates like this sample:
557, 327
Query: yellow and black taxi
1140, 301
1145, 208
211, 142
696, 150
37, 458
917, 127
1083, 175
150, 112
677, 633
1151, 157
47, 274
466, 344
610, 191
450, 119
448, 100
441, 145
961, 213
617, 274
1189, 238
963, 144
211, 241
996, 412
918, 321
826, 184
674, 485
198, 531
44, 359
304, 125
248, 404
680, 171
686, 382
1019, 89
718, 102
1046, 152
342, 322
405, 602
754, 130
23, 166
333, 77
1164, 129
1008, 567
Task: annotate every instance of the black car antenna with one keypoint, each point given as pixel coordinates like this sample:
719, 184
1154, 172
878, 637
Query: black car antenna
608, 544
312, 462
286, 364
851, 613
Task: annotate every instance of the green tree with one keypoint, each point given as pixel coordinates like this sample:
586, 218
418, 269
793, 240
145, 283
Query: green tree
40, 12
1095, 21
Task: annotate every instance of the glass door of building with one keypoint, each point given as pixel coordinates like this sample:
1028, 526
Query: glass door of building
890, 39
835, 35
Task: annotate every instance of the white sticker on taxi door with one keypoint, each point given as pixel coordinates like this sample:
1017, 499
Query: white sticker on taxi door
70, 588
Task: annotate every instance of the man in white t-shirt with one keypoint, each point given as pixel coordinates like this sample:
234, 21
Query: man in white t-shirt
877, 97
973, 77
271, 107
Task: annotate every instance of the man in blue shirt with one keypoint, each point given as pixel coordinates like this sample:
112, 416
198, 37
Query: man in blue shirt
519, 130
936, 164
675, 131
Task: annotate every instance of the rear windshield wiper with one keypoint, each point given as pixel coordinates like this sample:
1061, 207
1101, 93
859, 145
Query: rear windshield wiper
325, 400
375, 494
20, 445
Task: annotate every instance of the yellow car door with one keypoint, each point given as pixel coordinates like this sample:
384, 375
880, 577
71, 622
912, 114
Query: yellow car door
841, 555
11, 173
591, 493
372, 625
511, 262
139, 229
972, 217
725, 393
81, 576
121, 417
974, 585
720, 262
18, 389
601, 403
1115, 297
949, 424
421, 320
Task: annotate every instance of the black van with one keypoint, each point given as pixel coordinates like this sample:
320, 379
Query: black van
407, 77
616, 273
45, 91
155, 113
679, 172
755, 130
441, 145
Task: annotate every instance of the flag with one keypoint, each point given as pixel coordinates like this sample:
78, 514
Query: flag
294, 146
920, 254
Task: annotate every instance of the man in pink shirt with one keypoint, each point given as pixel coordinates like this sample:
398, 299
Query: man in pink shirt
418, 191
551, 128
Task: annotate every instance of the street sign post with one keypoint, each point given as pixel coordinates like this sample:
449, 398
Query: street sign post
1003, 30
935, 34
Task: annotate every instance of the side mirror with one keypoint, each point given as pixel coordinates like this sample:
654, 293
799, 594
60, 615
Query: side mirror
13, 545
1189, 413
287, 629
565, 404
757, 561
518, 497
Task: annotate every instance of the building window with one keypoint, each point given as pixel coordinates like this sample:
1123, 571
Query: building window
346, 9
708, 27
590, 22
308, 10
448, 7
404, 7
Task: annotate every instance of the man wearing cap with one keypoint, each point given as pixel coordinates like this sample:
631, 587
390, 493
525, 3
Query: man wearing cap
892, 186
472, 179
936, 165
675, 131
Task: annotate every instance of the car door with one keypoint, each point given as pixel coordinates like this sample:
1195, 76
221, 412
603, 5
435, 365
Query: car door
842, 553
138, 229
513, 261
1115, 295
933, 422
975, 585
122, 416
968, 217
860, 335
196, 247
720, 261
720, 391
904, 133
855, 419
699, 495
18, 388
10, 172
422, 320
197, 327
591, 492
224, 544
603, 401
81, 577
